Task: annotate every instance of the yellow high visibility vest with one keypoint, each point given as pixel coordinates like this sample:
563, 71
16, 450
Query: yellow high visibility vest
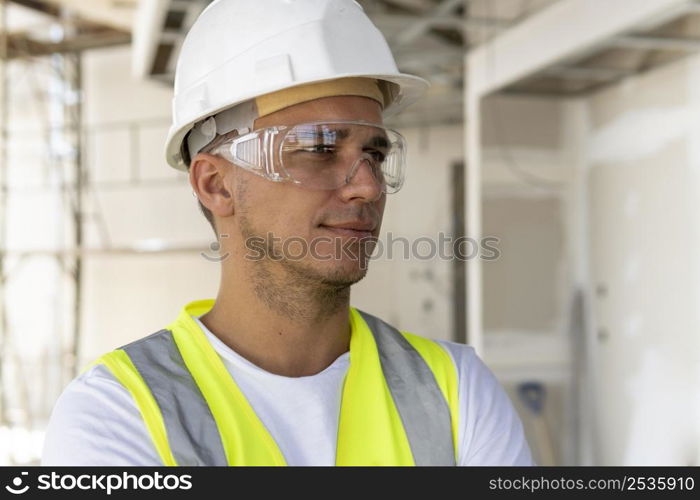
399, 401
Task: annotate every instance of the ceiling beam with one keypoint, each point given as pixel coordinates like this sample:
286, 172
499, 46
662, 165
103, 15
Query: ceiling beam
90, 35
694, 8
430, 57
20, 46
559, 33
416, 6
39, 6
587, 73
423, 25
401, 21
118, 14
646, 42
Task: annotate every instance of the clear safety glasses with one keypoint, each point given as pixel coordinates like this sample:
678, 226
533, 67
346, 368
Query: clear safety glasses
321, 155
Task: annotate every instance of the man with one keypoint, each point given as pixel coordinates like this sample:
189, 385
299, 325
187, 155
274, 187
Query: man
278, 119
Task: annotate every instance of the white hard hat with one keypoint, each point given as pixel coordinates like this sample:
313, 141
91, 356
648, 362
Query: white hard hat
238, 50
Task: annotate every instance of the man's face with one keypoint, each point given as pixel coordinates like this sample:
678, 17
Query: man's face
308, 240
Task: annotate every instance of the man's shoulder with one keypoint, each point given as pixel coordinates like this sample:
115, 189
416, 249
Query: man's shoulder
459, 353
435, 350
151, 337
95, 378
470, 368
89, 396
468, 362
103, 359
96, 422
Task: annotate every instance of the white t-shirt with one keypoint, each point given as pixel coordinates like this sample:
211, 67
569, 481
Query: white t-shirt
96, 422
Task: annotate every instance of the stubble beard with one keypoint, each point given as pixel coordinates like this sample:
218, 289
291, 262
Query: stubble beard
296, 288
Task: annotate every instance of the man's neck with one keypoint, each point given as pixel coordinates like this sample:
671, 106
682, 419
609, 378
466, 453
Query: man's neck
290, 329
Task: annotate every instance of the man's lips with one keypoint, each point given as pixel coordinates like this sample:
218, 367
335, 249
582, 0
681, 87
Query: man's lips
358, 230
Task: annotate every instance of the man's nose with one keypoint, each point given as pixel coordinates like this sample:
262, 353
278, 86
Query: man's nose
362, 182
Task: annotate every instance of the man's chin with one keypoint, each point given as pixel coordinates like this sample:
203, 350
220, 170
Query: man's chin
338, 275
345, 280
345, 275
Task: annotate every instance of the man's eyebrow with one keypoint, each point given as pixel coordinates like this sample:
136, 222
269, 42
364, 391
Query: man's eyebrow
341, 133
379, 141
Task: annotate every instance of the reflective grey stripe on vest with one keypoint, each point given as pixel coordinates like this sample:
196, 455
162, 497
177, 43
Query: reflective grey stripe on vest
194, 437
424, 412
192, 432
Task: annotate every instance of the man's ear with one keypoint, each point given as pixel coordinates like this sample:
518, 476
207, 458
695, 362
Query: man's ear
207, 174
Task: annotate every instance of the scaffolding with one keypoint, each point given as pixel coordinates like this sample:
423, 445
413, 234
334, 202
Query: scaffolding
64, 137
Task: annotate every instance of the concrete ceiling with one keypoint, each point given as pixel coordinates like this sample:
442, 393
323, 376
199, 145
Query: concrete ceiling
673, 32
429, 37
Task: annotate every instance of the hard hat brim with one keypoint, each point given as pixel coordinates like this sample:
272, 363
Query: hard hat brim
411, 89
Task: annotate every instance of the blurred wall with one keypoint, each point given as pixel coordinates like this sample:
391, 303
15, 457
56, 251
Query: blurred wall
139, 202
644, 157
530, 189
597, 196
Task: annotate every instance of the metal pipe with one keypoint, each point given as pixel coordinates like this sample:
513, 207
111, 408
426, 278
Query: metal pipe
4, 101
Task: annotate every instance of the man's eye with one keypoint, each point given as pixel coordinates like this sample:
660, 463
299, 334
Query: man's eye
379, 156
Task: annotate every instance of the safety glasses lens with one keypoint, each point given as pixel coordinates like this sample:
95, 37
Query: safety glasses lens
324, 155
